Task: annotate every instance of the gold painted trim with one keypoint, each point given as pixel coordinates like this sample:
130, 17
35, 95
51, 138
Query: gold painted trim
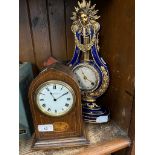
85, 47
104, 85
88, 99
93, 116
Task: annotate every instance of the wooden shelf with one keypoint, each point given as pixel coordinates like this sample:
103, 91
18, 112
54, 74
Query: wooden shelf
104, 139
107, 147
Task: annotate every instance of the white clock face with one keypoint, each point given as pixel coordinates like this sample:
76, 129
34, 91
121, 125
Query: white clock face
55, 98
87, 77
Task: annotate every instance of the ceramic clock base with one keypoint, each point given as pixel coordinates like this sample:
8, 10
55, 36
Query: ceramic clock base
92, 113
58, 143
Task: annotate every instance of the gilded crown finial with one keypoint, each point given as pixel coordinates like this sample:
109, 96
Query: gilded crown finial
85, 10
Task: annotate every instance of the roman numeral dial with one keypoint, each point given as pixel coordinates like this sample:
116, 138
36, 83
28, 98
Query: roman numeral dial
55, 98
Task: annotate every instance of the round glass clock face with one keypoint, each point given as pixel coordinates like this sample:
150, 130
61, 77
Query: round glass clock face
55, 98
87, 76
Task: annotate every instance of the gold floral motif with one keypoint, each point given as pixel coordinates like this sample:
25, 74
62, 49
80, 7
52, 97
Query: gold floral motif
92, 105
104, 84
100, 90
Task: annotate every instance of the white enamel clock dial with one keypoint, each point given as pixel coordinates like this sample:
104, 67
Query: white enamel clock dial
55, 98
87, 77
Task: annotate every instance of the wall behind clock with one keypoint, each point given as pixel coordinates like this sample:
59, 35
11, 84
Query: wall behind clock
45, 30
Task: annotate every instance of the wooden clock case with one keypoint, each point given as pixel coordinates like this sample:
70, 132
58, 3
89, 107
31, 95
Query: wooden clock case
68, 129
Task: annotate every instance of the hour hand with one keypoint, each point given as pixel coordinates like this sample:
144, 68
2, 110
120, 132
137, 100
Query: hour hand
92, 83
84, 76
82, 73
52, 95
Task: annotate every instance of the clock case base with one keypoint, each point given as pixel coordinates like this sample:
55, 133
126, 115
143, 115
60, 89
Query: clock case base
92, 113
58, 143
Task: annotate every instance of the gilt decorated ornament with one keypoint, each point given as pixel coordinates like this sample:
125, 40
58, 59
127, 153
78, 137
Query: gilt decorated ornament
89, 67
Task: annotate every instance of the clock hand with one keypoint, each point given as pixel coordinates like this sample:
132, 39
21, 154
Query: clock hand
50, 93
85, 77
82, 73
92, 83
62, 95
53, 96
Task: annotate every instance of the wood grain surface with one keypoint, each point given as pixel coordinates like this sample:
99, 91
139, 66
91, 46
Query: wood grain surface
26, 52
107, 147
73, 119
117, 48
69, 8
40, 30
57, 28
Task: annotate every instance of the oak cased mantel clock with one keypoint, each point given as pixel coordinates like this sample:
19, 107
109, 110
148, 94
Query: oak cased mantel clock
88, 66
55, 103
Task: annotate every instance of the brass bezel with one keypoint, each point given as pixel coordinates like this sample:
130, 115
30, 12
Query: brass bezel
86, 64
54, 82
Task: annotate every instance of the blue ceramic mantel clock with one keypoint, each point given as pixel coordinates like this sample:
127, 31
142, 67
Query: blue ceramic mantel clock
90, 69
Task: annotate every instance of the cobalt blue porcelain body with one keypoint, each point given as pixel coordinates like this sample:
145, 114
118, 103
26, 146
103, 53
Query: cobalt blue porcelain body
91, 112
96, 114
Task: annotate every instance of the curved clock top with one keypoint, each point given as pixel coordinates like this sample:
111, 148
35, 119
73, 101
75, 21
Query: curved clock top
55, 91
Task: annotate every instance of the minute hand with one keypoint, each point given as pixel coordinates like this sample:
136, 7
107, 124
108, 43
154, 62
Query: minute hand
85, 77
89, 80
62, 95
83, 73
